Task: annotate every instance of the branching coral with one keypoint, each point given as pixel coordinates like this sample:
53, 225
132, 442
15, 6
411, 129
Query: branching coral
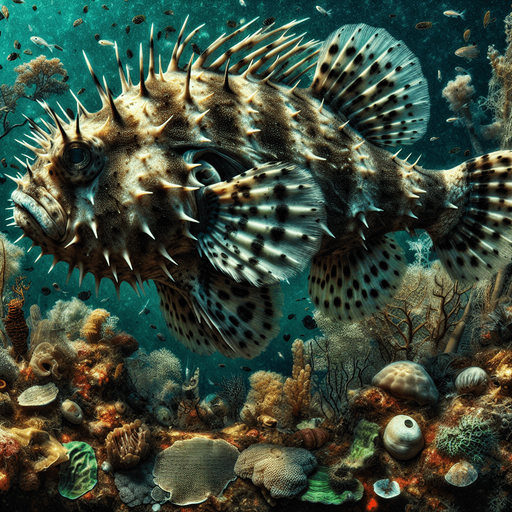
40, 73
297, 389
128, 445
233, 392
459, 94
92, 327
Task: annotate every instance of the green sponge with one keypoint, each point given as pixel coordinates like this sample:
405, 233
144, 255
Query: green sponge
80, 474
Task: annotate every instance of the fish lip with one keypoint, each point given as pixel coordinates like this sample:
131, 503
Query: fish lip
50, 227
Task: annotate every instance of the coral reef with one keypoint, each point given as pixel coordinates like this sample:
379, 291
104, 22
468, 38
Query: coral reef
128, 445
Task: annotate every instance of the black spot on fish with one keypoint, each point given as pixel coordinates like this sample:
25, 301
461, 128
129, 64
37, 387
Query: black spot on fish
309, 322
292, 315
46, 291
84, 295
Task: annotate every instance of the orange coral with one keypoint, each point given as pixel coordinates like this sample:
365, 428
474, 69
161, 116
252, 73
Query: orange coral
297, 389
15, 323
92, 327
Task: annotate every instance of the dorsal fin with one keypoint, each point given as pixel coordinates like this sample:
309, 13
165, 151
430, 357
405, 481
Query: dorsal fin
376, 82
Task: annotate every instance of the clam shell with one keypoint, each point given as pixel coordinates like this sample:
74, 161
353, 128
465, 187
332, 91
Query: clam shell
37, 396
72, 412
472, 380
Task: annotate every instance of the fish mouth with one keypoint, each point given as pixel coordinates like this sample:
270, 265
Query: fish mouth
45, 211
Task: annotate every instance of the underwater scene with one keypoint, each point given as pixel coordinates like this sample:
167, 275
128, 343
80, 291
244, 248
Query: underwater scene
257, 255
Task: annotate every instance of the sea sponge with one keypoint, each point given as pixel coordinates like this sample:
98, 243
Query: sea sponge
206, 466
127, 445
405, 379
71, 315
282, 471
91, 329
265, 396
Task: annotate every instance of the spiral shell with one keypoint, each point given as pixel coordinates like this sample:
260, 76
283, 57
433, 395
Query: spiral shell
472, 380
403, 438
313, 438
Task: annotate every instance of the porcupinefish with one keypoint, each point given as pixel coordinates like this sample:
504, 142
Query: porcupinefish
220, 177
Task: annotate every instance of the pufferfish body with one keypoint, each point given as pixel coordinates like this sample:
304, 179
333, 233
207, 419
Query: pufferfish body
219, 178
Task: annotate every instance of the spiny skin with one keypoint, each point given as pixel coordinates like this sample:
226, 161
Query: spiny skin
128, 213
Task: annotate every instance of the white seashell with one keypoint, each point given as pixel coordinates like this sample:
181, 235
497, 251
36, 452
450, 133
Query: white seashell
405, 379
37, 396
472, 380
72, 412
461, 474
403, 438
163, 415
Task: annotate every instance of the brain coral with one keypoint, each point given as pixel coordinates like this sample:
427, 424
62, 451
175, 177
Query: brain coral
282, 471
191, 470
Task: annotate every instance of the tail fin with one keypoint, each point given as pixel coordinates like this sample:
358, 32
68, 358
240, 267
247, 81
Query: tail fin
479, 243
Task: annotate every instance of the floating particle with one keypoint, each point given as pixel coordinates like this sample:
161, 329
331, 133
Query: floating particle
392, 15
66, 78
196, 49
113, 25
286, 337
168, 12
86, 9
46, 291
291, 315
467, 35
454, 150
27, 52
140, 18
160, 336
231, 23
245, 369
268, 21
77, 22
153, 326
17, 45
487, 18
3, 162
423, 25
97, 37
127, 29
129, 53
13, 56
105, 7
84, 295
34, 7
5, 12
222, 365
309, 322
29, 269
467, 152
81, 91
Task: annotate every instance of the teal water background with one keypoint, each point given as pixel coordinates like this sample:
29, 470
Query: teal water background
53, 21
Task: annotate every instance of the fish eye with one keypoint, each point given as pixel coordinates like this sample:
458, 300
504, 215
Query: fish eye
77, 156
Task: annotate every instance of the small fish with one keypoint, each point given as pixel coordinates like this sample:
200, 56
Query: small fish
321, 10
196, 49
13, 56
222, 365
159, 35
17, 45
468, 52
57, 288
70, 113
34, 7
129, 53
454, 14
105, 42
268, 21
77, 22
137, 20
423, 25
145, 310
81, 91
105, 7
286, 337
242, 3
392, 15
97, 37
467, 152
39, 41
29, 269
5, 12
432, 139
153, 326
27, 52
106, 299
467, 35
231, 23
46, 291
4, 161
461, 70
487, 18
160, 336
86, 9
309, 322
127, 29
452, 119
19, 1
439, 75
453, 151
245, 369
168, 12
84, 295
291, 315
281, 356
